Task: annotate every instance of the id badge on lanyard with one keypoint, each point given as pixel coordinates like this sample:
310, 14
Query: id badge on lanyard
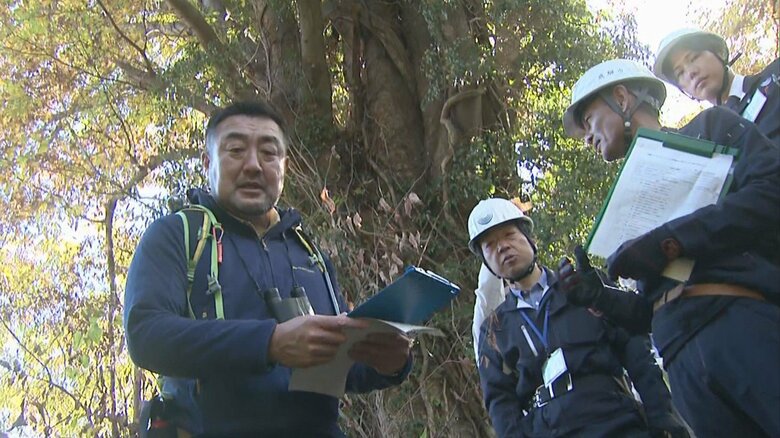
554, 367
555, 364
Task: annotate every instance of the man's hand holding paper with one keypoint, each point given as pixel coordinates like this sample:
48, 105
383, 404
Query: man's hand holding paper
365, 345
311, 340
380, 333
387, 353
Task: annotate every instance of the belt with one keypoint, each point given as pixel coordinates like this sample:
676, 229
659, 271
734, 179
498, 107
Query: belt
565, 383
707, 289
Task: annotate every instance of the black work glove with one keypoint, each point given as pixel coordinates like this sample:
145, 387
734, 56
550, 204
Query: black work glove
645, 256
582, 285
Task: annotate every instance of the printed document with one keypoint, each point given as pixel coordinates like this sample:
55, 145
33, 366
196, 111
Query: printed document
657, 184
331, 378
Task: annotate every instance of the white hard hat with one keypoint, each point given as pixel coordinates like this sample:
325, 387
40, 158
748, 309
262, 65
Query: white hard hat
608, 73
713, 42
490, 213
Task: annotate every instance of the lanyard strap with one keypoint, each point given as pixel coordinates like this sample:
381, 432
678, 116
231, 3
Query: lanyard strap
543, 334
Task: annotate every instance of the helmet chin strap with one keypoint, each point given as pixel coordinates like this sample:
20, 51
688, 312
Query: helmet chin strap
642, 95
724, 86
528, 271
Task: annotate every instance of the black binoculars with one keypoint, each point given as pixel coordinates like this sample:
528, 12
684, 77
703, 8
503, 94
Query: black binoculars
288, 308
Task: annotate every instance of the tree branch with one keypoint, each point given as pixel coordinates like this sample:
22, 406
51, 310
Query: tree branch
211, 43
43, 54
113, 305
455, 131
153, 163
50, 378
190, 15
151, 82
125, 130
141, 51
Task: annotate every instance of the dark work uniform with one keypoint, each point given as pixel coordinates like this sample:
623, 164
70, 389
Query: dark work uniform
630, 310
722, 352
512, 354
768, 84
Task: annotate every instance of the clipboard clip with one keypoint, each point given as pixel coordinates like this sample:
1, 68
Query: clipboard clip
435, 276
704, 148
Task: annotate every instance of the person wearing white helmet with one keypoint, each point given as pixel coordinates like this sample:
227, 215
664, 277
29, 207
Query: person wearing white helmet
551, 369
698, 63
490, 289
719, 336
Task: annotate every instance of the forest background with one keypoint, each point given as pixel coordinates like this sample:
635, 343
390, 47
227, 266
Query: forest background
404, 113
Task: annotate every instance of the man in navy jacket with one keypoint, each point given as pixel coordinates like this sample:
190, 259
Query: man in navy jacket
228, 365
551, 369
719, 335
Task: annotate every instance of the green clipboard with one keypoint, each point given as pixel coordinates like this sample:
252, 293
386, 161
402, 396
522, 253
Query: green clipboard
683, 143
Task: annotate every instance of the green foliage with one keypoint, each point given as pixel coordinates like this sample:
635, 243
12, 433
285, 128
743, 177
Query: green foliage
751, 27
60, 347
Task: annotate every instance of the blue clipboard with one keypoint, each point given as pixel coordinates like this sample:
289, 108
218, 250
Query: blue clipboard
412, 298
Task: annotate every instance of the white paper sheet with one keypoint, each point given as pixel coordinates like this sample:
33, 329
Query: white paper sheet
331, 378
657, 184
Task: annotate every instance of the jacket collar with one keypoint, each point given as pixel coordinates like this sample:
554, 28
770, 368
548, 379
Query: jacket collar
288, 217
738, 89
556, 301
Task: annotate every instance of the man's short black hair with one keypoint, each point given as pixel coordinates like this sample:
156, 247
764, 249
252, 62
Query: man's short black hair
246, 108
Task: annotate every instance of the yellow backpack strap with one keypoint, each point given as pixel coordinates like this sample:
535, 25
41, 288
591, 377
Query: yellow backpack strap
316, 256
212, 230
